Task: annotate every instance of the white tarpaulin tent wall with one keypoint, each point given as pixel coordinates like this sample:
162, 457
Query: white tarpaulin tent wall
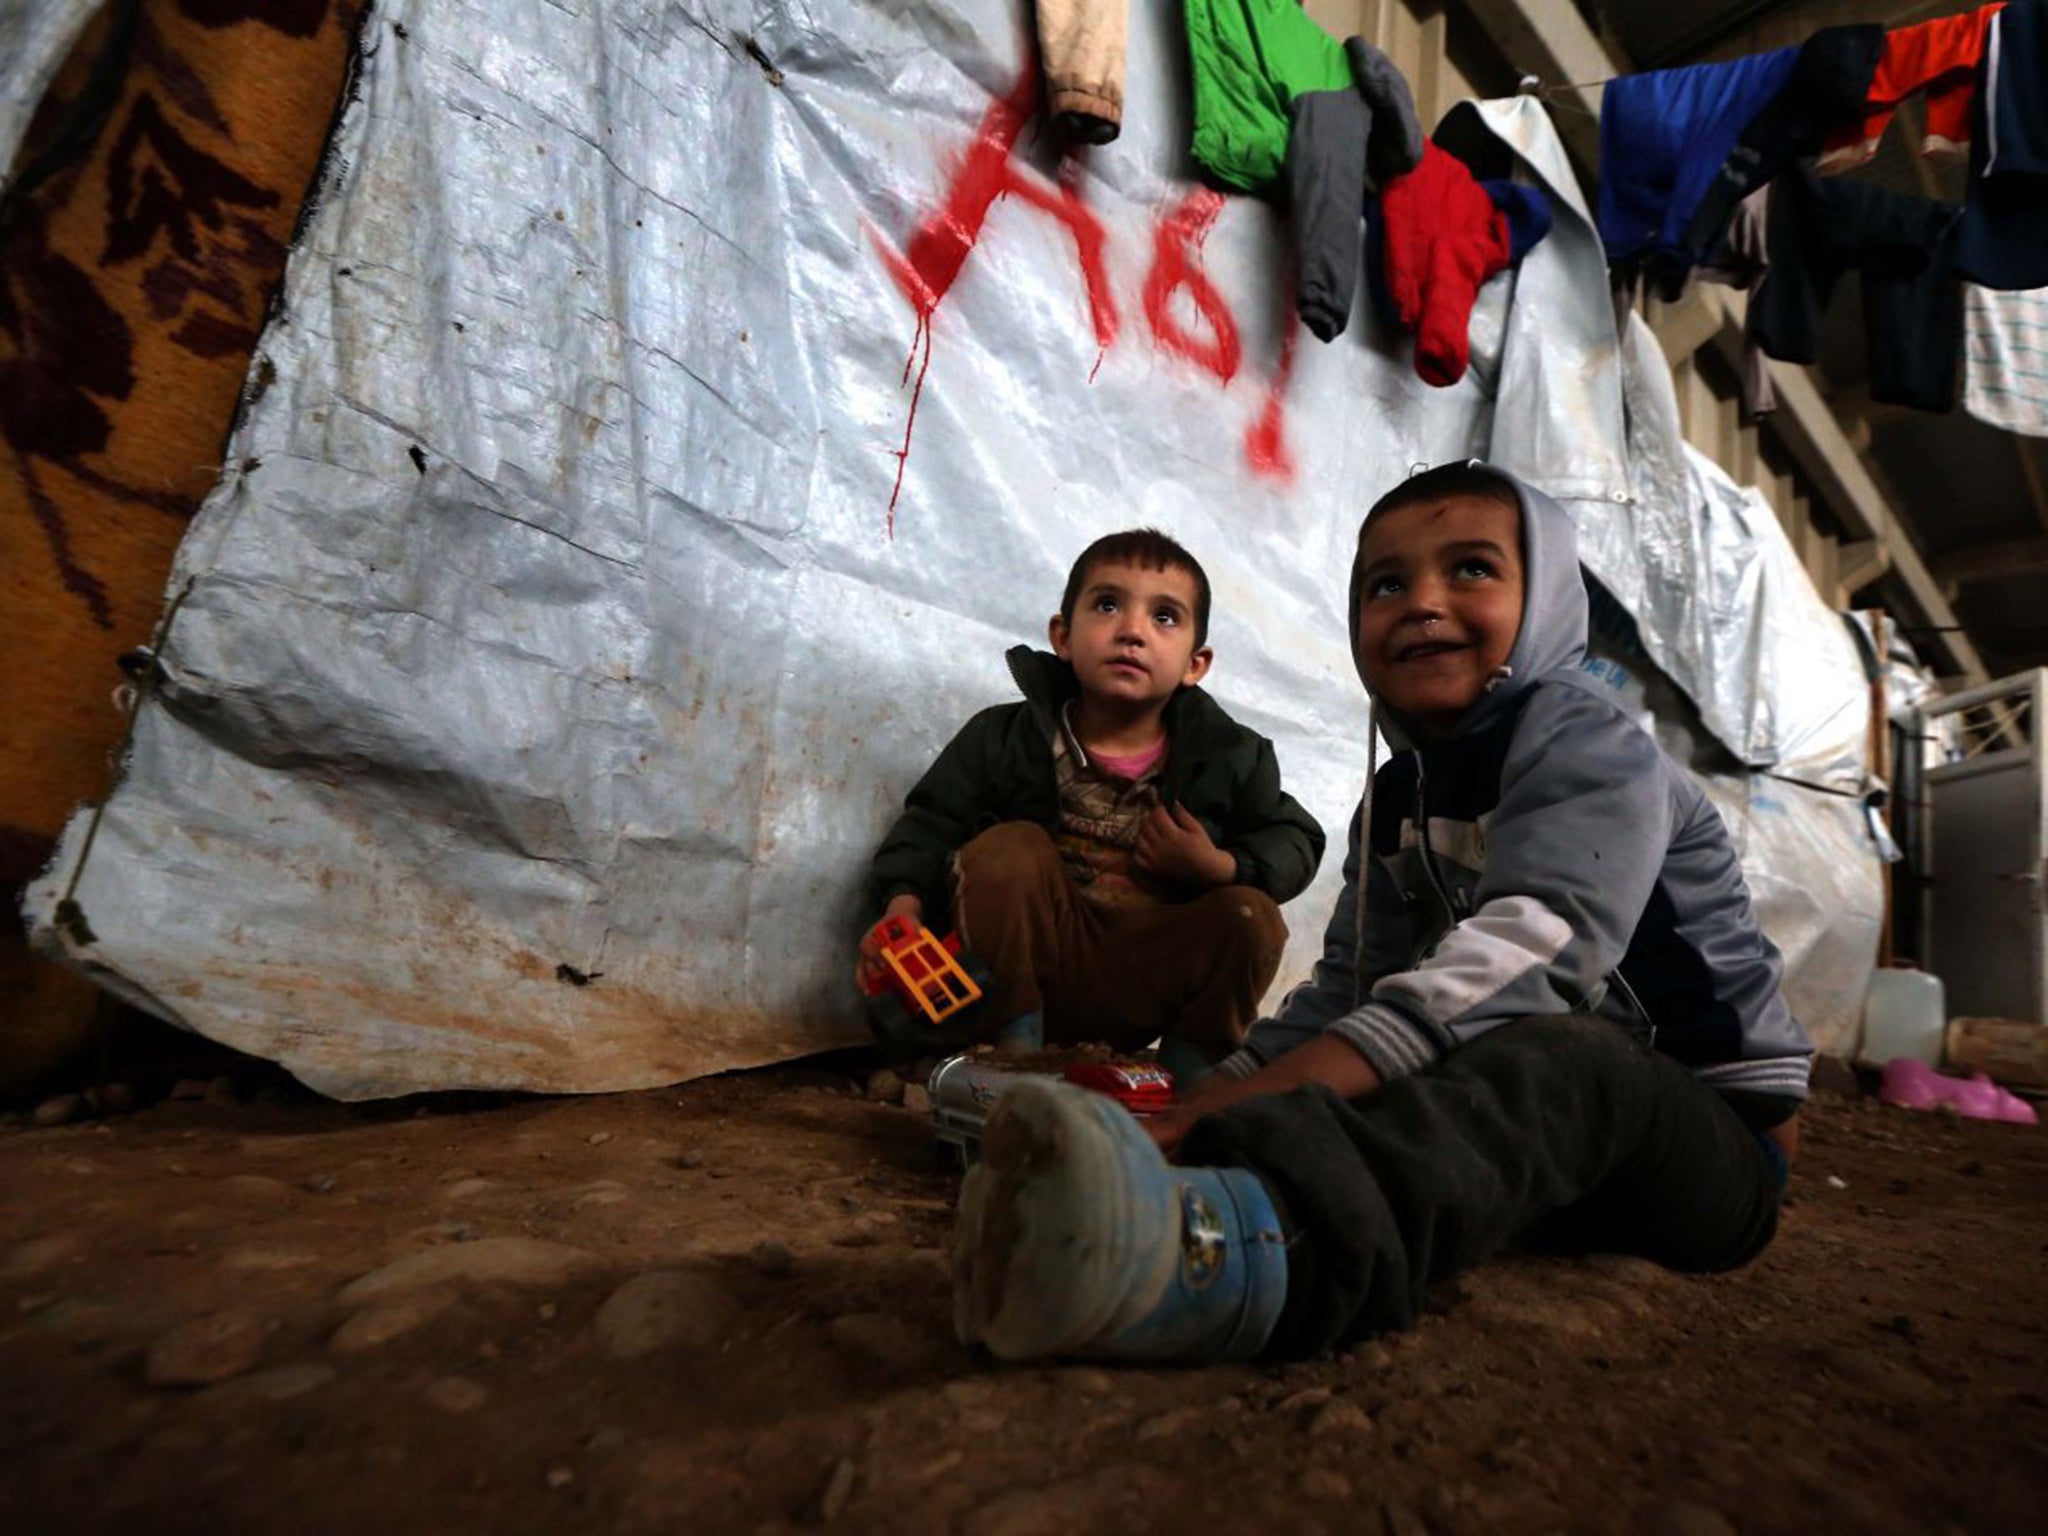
35, 38
561, 614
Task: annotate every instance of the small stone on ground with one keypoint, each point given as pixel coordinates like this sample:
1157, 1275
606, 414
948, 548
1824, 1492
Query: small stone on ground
1323, 1483
838, 1489
507, 1260
205, 1350
666, 1309
1682, 1517
289, 1381
388, 1320
1339, 1417
457, 1394
61, 1109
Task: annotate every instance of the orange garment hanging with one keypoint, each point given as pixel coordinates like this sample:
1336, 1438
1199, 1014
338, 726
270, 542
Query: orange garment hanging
1939, 57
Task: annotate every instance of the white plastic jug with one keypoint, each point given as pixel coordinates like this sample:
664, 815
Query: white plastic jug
1904, 1014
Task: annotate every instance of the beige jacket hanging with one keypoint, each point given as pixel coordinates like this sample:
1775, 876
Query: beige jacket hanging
1082, 45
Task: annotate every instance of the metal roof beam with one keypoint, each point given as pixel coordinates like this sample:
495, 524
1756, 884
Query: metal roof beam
1987, 562
1754, 26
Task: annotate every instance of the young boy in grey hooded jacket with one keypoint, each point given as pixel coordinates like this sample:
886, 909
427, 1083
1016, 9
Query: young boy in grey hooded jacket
1550, 1017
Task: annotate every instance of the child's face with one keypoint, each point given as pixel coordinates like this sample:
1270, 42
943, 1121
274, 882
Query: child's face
1439, 605
1132, 639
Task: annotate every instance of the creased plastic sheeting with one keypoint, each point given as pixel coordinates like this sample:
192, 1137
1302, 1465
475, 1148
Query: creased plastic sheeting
1812, 871
1721, 587
1723, 603
1908, 683
1558, 420
36, 37
549, 625
1815, 883
1815, 877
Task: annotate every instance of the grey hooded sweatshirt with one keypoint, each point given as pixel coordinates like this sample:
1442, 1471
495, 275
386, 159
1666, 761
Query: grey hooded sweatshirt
1545, 857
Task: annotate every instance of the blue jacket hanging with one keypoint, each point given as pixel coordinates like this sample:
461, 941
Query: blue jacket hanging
1664, 138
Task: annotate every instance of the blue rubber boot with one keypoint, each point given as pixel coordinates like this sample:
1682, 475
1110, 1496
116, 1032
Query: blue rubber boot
1075, 1237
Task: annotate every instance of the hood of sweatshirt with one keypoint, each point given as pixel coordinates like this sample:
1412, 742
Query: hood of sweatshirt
1553, 632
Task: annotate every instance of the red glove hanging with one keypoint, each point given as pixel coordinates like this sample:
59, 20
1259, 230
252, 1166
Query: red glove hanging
1443, 238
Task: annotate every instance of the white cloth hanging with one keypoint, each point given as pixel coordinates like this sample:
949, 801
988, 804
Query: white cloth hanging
2005, 358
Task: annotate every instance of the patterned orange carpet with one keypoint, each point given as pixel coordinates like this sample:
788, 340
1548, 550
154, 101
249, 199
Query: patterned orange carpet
143, 233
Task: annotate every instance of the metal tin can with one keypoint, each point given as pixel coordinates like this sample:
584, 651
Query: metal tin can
964, 1090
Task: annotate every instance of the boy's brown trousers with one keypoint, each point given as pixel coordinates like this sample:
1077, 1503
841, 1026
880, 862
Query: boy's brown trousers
1122, 975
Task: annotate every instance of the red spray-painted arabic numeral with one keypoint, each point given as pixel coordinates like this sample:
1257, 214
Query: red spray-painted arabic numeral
1265, 443
922, 334
939, 247
925, 270
1176, 263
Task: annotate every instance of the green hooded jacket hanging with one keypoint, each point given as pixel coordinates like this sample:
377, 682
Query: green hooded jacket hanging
1251, 59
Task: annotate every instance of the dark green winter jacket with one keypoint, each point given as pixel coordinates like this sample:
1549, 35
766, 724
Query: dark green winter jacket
1000, 768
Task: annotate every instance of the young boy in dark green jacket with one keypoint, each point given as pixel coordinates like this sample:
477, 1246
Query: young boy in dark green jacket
1114, 847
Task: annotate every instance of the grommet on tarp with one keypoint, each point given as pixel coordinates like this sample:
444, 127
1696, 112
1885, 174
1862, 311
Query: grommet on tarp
1529, 85
144, 669
138, 663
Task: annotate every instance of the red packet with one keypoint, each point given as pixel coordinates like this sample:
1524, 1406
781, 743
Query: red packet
1142, 1089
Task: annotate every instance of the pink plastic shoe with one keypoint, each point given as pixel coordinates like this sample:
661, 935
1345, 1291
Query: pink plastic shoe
1913, 1084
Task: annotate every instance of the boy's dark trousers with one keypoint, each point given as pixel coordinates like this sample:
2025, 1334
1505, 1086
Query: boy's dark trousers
1561, 1132
1126, 975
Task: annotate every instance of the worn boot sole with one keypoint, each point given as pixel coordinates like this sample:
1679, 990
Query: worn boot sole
1060, 1240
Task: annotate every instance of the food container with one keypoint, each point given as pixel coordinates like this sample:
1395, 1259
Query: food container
965, 1088
1904, 1015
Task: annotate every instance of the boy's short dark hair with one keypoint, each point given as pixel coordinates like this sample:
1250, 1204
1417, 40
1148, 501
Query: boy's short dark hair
1464, 477
1149, 550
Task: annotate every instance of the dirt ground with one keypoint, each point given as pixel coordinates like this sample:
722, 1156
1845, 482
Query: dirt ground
298, 1316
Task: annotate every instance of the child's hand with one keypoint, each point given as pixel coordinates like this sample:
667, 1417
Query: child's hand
1167, 1129
1214, 1092
1174, 844
870, 967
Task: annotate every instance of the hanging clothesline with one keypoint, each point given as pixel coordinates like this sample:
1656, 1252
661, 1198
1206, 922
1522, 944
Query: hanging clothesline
1685, 160
1681, 150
